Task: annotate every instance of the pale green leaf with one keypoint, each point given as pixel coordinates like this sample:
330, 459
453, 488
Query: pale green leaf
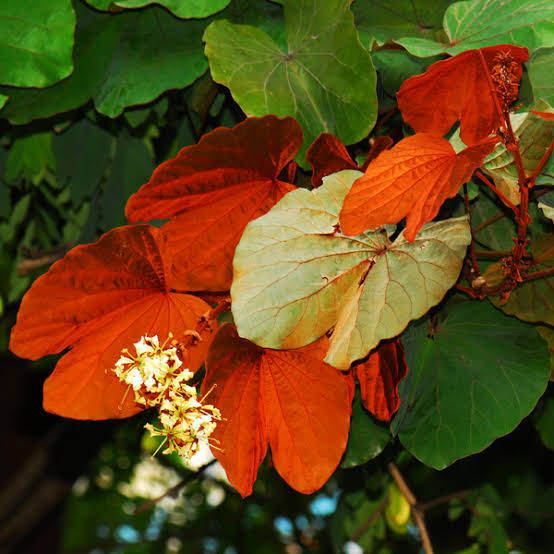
36, 42
540, 67
325, 78
546, 204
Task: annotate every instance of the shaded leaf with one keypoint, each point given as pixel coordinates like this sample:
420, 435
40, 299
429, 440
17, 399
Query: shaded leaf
547, 333
473, 378
450, 90
532, 300
379, 378
290, 400
212, 190
325, 78
411, 180
545, 423
540, 74
546, 204
367, 437
100, 299
296, 276
36, 45
479, 23
190, 8
29, 157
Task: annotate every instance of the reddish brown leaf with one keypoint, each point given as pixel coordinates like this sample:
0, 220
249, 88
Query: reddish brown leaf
458, 89
411, 180
290, 399
101, 298
380, 144
379, 377
215, 188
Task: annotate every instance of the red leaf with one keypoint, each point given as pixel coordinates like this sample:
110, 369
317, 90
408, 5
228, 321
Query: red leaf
458, 89
213, 189
290, 399
411, 180
379, 377
327, 155
99, 299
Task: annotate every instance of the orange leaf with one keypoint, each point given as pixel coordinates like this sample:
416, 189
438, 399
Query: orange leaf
379, 377
458, 89
411, 180
99, 299
212, 190
290, 399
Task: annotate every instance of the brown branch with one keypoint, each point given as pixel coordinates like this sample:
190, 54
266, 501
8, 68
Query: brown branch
173, 490
418, 513
367, 523
470, 292
539, 274
443, 499
36, 259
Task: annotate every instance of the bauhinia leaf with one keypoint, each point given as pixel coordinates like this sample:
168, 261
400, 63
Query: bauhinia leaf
532, 300
212, 190
411, 180
298, 82
473, 378
458, 89
379, 378
296, 275
289, 399
190, 8
97, 300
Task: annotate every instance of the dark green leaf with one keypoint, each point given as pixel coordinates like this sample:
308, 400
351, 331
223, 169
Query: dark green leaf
545, 423
473, 377
30, 156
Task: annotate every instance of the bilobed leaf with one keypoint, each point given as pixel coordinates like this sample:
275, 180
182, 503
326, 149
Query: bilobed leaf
296, 275
532, 300
411, 180
479, 23
367, 437
379, 378
189, 8
36, 44
473, 378
212, 190
97, 300
113, 55
325, 79
540, 74
458, 89
290, 400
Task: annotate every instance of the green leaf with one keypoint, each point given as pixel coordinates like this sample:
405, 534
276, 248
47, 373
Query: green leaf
296, 275
82, 155
546, 204
36, 44
189, 8
403, 18
325, 79
367, 437
120, 60
540, 74
532, 300
5, 200
479, 23
473, 377
132, 166
30, 156
547, 333
545, 423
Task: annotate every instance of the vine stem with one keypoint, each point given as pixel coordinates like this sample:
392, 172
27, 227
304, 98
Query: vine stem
416, 509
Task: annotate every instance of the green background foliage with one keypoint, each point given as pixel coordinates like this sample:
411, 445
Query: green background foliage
95, 95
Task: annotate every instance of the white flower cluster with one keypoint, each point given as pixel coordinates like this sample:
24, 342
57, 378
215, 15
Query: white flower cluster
158, 380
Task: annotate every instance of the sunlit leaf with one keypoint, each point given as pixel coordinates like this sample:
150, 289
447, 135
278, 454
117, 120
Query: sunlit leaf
411, 180
325, 78
100, 299
289, 399
451, 90
473, 377
296, 275
212, 190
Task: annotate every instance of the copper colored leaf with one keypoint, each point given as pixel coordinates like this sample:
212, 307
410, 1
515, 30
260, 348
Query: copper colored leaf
99, 299
379, 377
411, 180
457, 89
212, 190
289, 399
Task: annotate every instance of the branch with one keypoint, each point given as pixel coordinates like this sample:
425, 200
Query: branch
173, 490
418, 513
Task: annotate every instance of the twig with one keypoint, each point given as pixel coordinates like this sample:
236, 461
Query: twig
418, 512
173, 490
